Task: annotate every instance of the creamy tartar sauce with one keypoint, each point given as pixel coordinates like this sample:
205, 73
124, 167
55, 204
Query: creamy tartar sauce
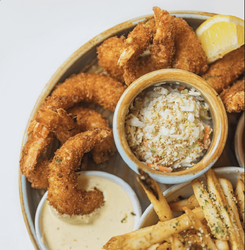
92, 231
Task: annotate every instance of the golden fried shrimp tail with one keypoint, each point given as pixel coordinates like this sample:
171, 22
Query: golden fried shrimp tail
39, 177
97, 88
108, 54
223, 72
37, 144
233, 97
88, 119
58, 122
64, 194
163, 47
189, 54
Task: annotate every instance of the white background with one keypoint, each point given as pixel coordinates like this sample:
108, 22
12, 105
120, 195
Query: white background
36, 37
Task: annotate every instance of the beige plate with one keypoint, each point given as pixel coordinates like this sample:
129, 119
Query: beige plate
83, 59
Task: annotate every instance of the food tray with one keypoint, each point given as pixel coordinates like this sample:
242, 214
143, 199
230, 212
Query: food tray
84, 59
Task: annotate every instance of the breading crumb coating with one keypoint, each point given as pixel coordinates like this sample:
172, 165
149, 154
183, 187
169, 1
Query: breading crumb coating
34, 147
163, 47
88, 119
233, 97
39, 177
223, 72
63, 192
136, 43
58, 122
97, 88
108, 54
189, 54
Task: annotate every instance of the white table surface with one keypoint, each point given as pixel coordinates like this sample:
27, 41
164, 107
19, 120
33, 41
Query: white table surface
36, 37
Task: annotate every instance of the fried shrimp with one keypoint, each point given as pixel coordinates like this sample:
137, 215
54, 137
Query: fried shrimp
37, 144
39, 177
88, 119
97, 88
58, 122
189, 54
233, 97
154, 35
226, 70
63, 192
137, 42
163, 47
108, 54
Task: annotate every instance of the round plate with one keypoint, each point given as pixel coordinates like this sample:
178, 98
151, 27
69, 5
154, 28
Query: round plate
82, 60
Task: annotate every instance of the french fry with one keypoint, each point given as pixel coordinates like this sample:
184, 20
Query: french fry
145, 237
156, 196
218, 198
177, 206
209, 244
211, 214
242, 176
193, 201
154, 247
164, 246
222, 244
176, 242
229, 195
239, 192
191, 238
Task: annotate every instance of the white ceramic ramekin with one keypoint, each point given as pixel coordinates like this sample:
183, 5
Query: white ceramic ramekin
134, 199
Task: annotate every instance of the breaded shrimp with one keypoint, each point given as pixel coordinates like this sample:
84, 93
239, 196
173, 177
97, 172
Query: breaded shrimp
97, 88
233, 97
226, 70
63, 193
58, 122
36, 145
136, 43
108, 54
163, 47
100, 89
154, 34
189, 54
88, 119
39, 177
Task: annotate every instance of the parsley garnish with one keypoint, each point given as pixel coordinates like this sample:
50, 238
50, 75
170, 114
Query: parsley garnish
124, 219
58, 161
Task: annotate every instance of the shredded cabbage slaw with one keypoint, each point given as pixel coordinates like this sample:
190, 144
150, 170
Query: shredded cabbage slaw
166, 127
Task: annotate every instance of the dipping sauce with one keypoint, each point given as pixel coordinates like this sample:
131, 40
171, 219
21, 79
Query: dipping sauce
92, 231
168, 127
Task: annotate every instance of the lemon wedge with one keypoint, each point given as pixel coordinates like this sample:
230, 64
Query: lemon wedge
220, 34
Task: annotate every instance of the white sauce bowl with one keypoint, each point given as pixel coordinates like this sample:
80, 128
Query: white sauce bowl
149, 217
134, 200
